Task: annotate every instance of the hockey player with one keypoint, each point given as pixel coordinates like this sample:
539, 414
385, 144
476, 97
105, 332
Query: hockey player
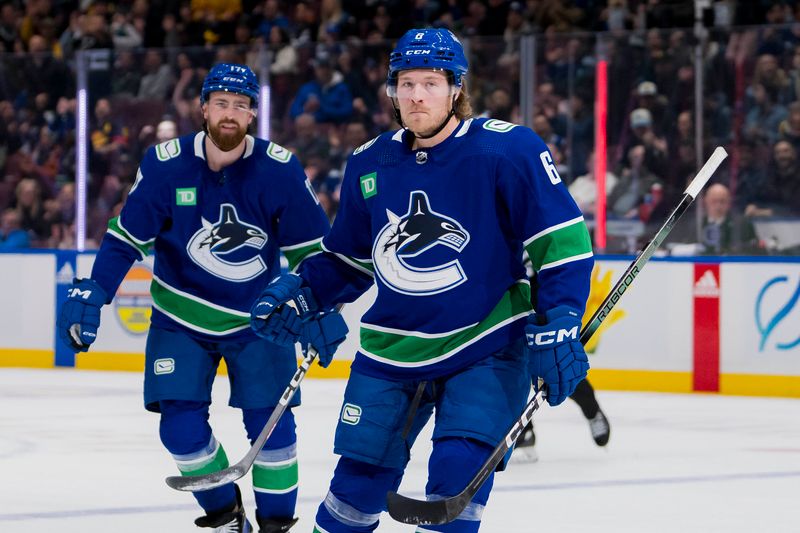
437, 215
599, 427
216, 208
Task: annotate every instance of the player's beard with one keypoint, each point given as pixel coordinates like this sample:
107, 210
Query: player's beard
226, 141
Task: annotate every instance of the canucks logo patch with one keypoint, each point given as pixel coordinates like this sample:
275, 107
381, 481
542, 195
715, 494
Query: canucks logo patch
412, 235
228, 248
351, 414
168, 150
499, 126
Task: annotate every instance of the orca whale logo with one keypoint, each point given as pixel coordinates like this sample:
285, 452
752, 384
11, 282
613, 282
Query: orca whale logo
419, 230
229, 234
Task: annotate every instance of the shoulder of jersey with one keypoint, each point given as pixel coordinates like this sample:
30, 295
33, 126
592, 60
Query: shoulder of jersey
271, 152
377, 145
495, 136
172, 151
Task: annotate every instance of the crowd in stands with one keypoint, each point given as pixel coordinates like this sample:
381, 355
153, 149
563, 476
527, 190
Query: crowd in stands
326, 61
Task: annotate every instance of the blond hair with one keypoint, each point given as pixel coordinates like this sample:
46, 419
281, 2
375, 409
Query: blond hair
463, 106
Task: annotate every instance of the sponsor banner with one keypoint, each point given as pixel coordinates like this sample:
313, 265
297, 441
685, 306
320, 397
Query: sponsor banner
705, 292
760, 318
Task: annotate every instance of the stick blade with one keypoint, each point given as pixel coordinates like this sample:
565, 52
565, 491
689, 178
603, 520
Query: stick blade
206, 481
423, 512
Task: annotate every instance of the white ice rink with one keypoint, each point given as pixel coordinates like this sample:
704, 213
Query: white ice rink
78, 453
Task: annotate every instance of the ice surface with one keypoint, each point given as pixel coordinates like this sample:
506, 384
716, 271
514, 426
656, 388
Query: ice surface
78, 453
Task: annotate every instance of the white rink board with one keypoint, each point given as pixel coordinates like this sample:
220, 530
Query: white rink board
656, 331
27, 311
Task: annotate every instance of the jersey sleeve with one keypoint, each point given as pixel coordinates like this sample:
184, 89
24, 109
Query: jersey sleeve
546, 219
301, 221
344, 271
130, 236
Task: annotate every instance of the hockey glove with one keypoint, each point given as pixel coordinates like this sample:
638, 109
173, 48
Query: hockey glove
271, 319
555, 352
325, 332
80, 315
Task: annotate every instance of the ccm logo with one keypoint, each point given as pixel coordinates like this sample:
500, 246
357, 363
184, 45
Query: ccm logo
417, 52
549, 337
77, 293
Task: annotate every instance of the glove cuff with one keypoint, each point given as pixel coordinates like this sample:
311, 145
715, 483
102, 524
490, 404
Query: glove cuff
562, 311
88, 291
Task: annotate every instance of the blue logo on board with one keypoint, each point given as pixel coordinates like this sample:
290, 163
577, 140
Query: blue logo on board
767, 325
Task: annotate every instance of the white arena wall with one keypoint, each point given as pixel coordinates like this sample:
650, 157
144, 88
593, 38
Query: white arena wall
720, 325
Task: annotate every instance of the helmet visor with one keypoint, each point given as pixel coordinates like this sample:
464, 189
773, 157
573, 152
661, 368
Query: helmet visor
432, 86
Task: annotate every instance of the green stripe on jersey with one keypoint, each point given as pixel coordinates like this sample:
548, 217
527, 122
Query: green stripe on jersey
562, 245
216, 462
408, 348
116, 229
275, 478
195, 313
295, 254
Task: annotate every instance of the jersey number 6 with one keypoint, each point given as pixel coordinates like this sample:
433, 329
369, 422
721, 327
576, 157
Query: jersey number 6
552, 173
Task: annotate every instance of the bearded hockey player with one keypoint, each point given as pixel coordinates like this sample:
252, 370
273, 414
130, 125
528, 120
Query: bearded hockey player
215, 208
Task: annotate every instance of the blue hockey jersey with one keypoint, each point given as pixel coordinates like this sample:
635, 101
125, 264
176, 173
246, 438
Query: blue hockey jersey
441, 231
216, 236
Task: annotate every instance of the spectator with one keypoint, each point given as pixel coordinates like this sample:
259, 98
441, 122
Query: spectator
43, 73
584, 188
305, 25
157, 80
123, 32
648, 98
635, 182
334, 20
765, 116
721, 231
9, 32
30, 207
307, 142
12, 236
780, 193
789, 129
271, 17
127, 77
109, 139
326, 97
655, 147
497, 104
284, 60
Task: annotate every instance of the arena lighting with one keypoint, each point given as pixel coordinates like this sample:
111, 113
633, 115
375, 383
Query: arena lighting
263, 112
600, 153
81, 176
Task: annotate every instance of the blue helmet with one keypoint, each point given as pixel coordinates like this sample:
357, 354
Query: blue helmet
232, 78
428, 48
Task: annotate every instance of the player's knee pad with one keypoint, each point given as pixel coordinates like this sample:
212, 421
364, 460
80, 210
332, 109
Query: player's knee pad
282, 436
452, 464
358, 493
184, 427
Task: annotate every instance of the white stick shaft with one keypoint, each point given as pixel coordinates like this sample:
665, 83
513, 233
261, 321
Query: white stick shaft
706, 172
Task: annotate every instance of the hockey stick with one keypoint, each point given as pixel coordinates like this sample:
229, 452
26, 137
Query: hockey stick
425, 512
232, 473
